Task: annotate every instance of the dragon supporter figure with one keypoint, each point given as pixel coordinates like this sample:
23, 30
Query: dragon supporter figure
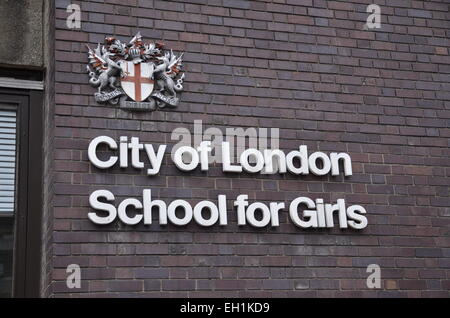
136, 75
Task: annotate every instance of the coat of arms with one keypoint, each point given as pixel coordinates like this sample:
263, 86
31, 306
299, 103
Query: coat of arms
137, 75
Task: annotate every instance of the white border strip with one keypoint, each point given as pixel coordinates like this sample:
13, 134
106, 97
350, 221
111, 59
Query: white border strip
24, 84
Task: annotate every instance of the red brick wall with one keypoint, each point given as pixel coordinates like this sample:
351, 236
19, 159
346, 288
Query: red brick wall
307, 67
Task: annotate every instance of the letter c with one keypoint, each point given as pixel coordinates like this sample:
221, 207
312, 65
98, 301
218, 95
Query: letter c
122, 211
92, 152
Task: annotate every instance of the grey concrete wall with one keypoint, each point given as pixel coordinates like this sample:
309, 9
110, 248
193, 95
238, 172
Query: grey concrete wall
21, 32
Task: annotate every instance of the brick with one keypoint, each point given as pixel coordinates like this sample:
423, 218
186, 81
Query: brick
125, 285
278, 284
306, 68
152, 273
428, 252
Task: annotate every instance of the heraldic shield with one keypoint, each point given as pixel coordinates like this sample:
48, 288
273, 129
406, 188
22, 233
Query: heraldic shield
138, 80
136, 76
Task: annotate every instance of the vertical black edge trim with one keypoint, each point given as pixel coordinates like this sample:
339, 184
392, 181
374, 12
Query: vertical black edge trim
28, 214
34, 216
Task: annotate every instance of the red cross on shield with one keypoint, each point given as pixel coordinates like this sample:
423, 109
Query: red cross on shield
138, 83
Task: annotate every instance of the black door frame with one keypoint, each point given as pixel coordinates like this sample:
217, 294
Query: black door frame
28, 214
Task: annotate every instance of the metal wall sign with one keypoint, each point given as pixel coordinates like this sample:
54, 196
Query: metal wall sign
313, 214
136, 76
139, 76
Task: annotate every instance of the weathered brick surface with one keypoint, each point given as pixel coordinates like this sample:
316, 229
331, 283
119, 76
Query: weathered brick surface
306, 67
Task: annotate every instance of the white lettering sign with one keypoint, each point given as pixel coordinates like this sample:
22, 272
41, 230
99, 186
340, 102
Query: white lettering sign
303, 212
188, 158
105, 152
